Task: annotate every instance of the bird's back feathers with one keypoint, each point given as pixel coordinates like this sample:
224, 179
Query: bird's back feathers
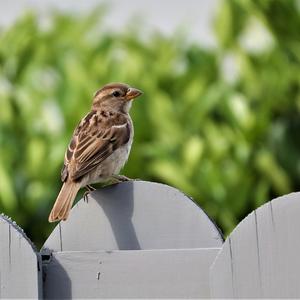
96, 137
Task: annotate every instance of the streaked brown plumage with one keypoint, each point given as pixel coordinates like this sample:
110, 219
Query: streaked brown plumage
99, 147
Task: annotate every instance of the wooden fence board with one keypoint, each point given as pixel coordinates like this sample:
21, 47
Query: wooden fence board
135, 215
19, 274
131, 274
146, 240
260, 259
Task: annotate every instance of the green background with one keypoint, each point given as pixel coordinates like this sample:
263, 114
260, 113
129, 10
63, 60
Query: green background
230, 139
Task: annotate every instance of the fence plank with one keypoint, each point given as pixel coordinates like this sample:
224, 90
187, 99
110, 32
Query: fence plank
129, 274
261, 257
135, 215
19, 274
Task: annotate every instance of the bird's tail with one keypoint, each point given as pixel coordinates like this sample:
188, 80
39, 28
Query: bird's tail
64, 201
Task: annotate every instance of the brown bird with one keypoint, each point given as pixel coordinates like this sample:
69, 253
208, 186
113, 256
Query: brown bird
99, 147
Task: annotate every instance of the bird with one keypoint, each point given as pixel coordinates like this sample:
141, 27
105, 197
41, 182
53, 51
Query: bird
99, 147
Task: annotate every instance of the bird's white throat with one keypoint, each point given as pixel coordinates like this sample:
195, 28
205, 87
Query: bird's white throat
127, 106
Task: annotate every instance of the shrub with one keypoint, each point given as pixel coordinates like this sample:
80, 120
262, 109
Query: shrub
220, 124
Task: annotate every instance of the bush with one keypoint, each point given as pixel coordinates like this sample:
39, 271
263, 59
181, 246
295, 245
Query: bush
220, 124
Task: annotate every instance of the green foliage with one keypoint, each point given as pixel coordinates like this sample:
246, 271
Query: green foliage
228, 139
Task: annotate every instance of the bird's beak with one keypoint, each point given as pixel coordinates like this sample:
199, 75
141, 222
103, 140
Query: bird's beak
132, 93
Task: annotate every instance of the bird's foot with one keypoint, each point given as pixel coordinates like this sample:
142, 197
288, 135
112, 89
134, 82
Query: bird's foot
120, 178
86, 193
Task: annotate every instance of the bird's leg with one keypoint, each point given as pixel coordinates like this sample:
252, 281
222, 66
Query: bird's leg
86, 193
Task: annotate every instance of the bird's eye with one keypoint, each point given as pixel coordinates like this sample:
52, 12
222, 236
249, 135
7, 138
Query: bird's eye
116, 94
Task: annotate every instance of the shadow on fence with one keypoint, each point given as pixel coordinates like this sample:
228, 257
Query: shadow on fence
140, 239
120, 215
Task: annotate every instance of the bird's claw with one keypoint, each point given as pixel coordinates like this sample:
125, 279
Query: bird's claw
85, 196
86, 193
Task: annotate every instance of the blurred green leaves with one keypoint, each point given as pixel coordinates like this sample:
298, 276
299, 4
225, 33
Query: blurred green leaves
220, 124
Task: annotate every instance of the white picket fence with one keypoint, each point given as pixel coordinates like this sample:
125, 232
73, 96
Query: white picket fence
147, 240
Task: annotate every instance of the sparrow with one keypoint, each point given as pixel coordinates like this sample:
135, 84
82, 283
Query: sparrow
99, 147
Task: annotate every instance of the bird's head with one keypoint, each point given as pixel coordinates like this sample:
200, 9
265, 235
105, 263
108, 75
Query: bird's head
118, 96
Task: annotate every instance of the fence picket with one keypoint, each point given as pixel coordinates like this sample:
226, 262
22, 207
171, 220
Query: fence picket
20, 276
135, 215
260, 258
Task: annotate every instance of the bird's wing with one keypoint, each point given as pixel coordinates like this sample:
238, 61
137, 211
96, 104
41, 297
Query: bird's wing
95, 138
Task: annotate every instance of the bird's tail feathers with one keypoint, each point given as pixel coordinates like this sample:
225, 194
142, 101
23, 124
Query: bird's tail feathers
64, 201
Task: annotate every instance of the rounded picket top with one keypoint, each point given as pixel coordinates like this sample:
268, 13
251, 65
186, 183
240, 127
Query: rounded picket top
135, 215
20, 276
260, 258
